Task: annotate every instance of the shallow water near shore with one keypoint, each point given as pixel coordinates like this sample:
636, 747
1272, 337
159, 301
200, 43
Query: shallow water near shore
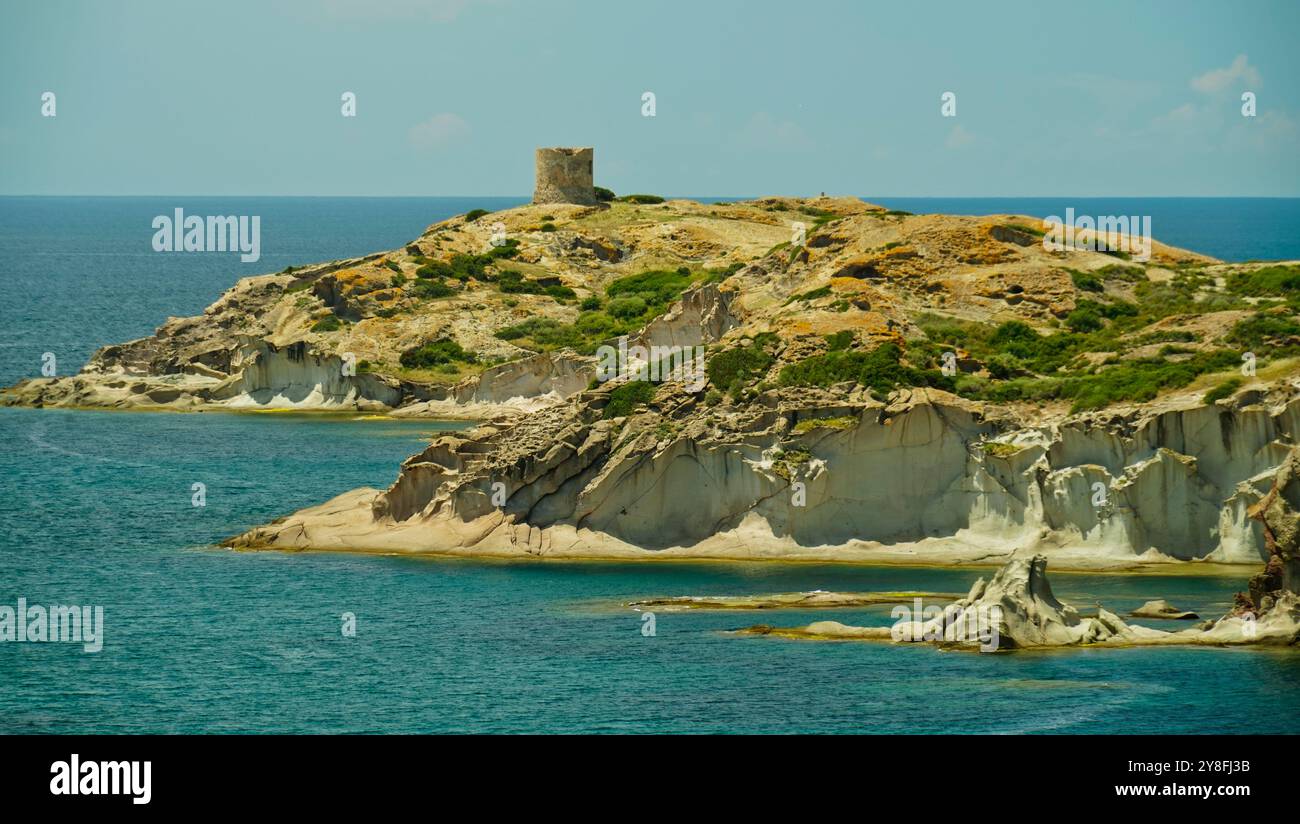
96, 510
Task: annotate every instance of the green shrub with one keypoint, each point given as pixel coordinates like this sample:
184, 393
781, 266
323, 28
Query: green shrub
812, 294
433, 289
880, 369
1021, 389
604, 195
1132, 274
642, 199
1160, 300
1084, 320
398, 281
1013, 339
658, 287
1223, 390
329, 323
731, 370
1086, 281
474, 214
507, 249
545, 332
598, 326
1004, 367
999, 449
1141, 380
1263, 330
627, 308
841, 340
1271, 280
548, 227
511, 282
808, 425
590, 304
1165, 336
624, 399
719, 275
436, 353
1036, 231
1015, 336
436, 269
463, 267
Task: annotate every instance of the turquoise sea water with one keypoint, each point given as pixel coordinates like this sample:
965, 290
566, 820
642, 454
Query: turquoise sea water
95, 509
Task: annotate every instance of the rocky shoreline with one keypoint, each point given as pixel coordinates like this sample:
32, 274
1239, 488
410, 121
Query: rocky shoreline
1016, 610
926, 478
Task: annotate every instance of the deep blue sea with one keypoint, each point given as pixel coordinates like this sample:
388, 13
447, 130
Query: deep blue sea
95, 509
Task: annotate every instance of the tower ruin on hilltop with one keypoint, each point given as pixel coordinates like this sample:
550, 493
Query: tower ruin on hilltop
564, 176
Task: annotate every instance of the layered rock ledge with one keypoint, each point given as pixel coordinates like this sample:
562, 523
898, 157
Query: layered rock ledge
803, 474
1016, 610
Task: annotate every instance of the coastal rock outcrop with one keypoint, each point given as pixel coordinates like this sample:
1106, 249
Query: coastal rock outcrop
866, 384
925, 476
1016, 610
516, 288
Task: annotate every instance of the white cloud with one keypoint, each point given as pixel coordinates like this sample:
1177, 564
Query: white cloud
1240, 73
439, 130
958, 137
1184, 116
1120, 91
1272, 130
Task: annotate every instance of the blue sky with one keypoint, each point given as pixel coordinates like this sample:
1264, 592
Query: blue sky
243, 98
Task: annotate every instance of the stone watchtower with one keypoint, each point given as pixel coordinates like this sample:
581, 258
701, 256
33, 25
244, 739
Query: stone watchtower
564, 176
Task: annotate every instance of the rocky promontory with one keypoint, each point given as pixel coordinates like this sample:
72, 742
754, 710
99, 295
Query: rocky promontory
871, 386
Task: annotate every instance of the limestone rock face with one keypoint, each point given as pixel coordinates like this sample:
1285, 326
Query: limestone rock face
1017, 610
924, 477
564, 175
1029, 613
1279, 512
